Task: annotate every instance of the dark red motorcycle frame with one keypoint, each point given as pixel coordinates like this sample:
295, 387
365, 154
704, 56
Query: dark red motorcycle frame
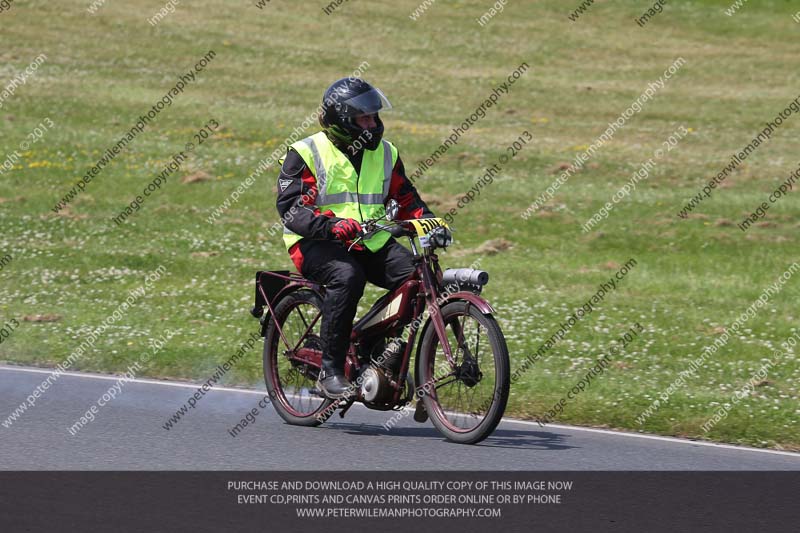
420, 293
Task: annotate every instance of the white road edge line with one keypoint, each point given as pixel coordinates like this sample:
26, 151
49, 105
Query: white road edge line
111, 377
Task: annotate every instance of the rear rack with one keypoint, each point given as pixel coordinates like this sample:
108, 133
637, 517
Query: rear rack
269, 283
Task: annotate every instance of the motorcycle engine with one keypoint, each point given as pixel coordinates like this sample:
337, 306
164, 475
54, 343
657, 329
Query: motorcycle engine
375, 387
383, 370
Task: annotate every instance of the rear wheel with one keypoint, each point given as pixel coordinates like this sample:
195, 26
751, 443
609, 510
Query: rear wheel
465, 398
291, 383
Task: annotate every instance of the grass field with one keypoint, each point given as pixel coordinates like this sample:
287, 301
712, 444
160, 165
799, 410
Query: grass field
693, 277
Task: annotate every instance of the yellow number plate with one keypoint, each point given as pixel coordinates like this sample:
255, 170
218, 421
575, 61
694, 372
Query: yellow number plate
425, 225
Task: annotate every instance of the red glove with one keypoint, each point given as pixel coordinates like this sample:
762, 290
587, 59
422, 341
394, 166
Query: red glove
346, 230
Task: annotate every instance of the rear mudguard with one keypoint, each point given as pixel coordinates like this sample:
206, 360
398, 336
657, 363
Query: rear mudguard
475, 299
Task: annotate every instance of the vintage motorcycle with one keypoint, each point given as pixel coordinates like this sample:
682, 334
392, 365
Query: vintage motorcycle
460, 377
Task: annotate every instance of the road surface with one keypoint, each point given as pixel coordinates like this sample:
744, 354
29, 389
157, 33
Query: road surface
128, 434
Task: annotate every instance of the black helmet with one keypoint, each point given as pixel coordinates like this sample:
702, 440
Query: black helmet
342, 102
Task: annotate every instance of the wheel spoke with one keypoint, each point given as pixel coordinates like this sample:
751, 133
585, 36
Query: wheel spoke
477, 342
454, 380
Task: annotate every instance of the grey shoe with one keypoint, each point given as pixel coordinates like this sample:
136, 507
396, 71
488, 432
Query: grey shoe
334, 385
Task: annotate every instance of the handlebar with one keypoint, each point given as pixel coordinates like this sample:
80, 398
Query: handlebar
371, 226
396, 230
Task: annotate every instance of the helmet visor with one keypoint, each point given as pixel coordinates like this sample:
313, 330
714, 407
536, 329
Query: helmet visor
365, 104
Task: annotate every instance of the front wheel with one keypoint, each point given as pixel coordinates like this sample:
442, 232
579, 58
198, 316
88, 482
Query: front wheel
466, 397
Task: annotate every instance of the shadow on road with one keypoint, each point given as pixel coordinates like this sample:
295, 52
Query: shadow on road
502, 438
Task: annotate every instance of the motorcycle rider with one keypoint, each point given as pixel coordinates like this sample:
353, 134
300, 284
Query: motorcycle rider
328, 184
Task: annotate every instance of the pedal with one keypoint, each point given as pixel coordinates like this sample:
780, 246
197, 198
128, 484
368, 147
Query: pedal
420, 413
351, 400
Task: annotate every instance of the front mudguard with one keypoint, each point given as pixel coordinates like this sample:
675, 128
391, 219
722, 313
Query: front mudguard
478, 301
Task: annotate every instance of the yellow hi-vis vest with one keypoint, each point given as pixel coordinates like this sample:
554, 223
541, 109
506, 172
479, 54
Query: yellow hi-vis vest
349, 195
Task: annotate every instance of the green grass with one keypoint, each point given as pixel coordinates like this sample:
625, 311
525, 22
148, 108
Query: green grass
693, 276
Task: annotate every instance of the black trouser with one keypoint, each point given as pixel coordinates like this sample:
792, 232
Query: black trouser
345, 274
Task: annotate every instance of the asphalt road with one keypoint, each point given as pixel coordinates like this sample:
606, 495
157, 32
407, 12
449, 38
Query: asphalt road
128, 434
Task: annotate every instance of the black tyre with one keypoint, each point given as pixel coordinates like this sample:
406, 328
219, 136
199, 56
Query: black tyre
292, 385
465, 400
